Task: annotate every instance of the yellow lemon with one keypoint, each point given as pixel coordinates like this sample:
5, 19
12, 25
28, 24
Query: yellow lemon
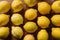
56, 33
30, 3
31, 14
17, 6
29, 37
17, 31
4, 32
56, 6
43, 22
44, 8
4, 19
42, 35
30, 27
4, 6
56, 20
17, 19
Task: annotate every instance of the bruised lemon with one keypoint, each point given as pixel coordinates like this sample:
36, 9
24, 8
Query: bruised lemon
30, 3
30, 27
4, 6
56, 6
43, 22
29, 37
4, 32
17, 31
4, 19
56, 33
17, 5
42, 35
44, 8
17, 19
31, 14
56, 20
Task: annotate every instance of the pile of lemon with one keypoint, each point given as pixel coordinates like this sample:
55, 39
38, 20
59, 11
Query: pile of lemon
30, 14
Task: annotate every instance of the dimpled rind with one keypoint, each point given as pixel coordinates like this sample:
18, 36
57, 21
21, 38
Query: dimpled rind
30, 3
31, 14
17, 19
42, 35
56, 20
17, 32
4, 6
17, 6
4, 32
29, 37
56, 33
44, 8
30, 27
43, 22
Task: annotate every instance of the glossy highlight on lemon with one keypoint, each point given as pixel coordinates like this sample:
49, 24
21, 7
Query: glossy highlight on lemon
31, 14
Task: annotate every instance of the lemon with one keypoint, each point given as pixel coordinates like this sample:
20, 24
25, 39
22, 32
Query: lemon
30, 27
42, 35
31, 14
4, 32
56, 20
29, 37
30, 3
43, 22
17, 31
17, 19
56, 33
4, 19
56, 6
4, 6
44, 8
17, 6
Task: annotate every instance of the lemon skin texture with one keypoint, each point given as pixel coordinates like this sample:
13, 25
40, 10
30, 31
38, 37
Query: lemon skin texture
4, 32
17, 6
56, 6
17, 19
42, 35
56, 33
43, 22
4, 6
30, 3
30, 27
4, 19
29, 37
31, 14
17, 32
56, 20
44, 8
